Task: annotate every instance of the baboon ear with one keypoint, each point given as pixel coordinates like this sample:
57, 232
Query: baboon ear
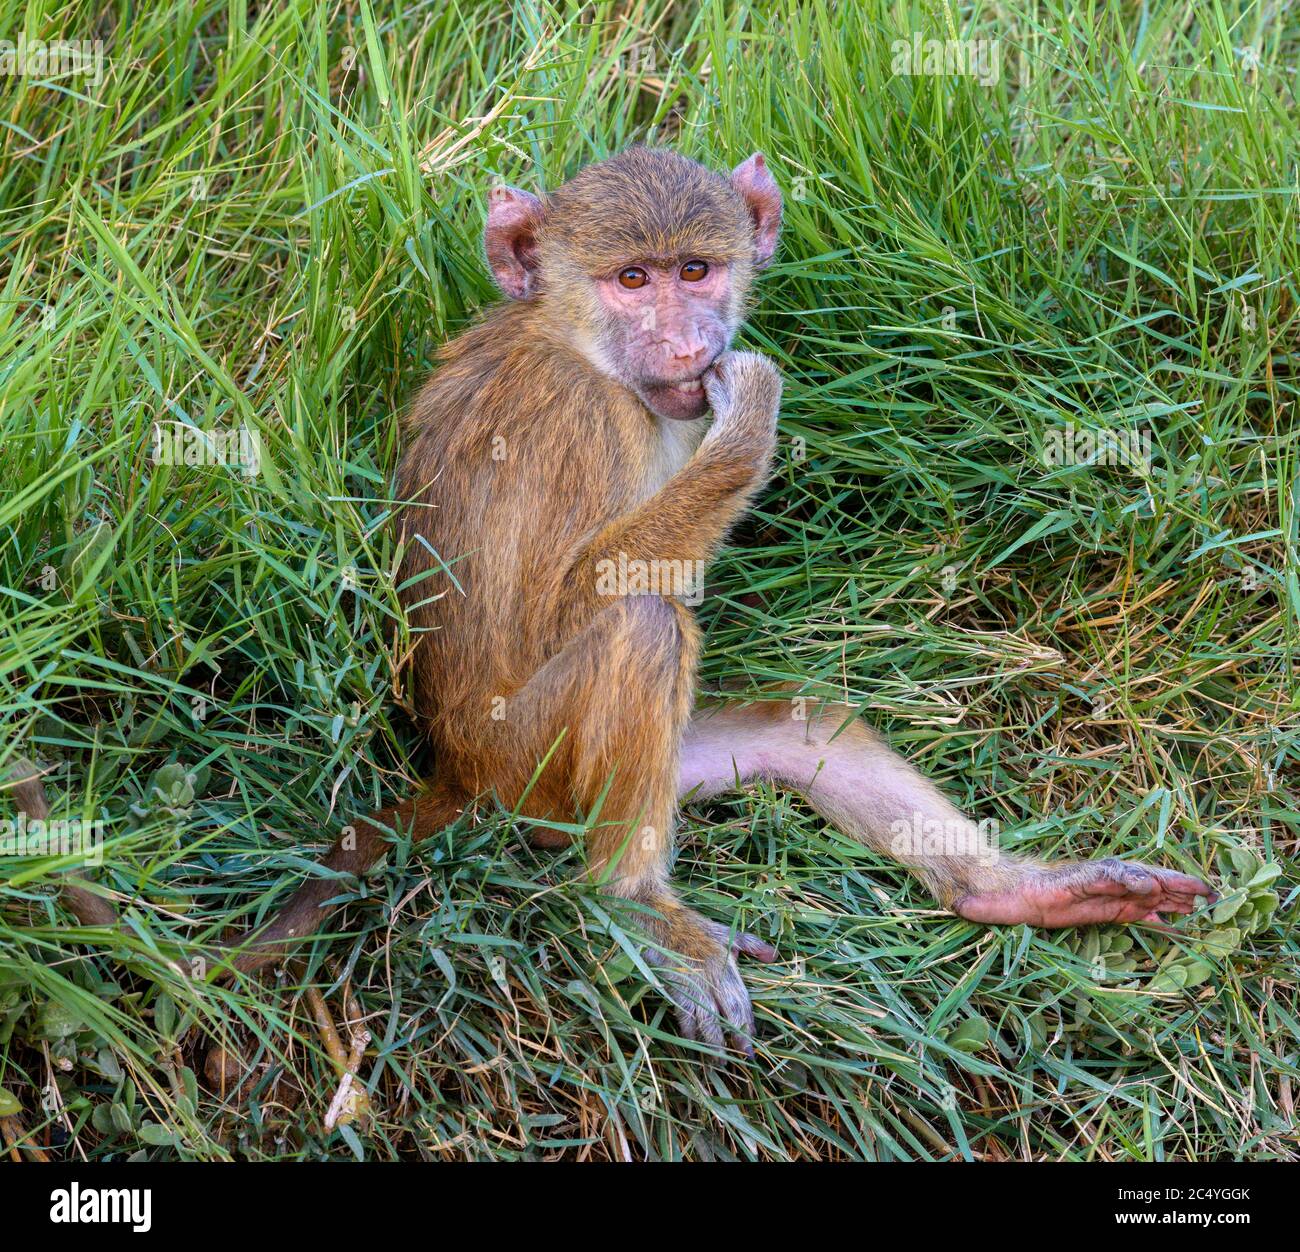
510, 240
759, 191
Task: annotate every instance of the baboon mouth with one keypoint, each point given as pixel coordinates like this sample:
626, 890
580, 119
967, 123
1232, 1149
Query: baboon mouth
688, 388
684, 401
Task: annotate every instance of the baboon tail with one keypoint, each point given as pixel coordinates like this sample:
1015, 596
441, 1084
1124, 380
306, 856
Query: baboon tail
302, 915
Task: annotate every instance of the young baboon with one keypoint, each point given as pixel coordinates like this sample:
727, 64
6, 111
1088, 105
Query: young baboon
592, 429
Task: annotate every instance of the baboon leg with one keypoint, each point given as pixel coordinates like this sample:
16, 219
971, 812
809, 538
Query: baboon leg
610, 708
860, 786
608, 711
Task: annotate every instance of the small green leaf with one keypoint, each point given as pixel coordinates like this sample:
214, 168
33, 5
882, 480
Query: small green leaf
970, 1035
156, 1135
1244, 861
56, 1020
618, 968
1264, 906
164, 1016
107, 1064
174, 785
1221, 942
1227, 908
353, 1142
1171, 978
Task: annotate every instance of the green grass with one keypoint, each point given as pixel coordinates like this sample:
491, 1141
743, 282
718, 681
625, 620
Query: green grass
270, 215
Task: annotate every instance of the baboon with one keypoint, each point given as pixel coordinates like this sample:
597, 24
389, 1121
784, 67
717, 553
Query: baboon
593, 428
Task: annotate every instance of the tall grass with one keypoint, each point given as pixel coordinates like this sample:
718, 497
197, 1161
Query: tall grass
268, 216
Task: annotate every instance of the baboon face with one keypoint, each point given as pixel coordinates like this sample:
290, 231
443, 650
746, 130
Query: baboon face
662, 324
645, 261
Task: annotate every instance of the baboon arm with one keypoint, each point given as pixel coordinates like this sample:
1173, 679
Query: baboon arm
685, 521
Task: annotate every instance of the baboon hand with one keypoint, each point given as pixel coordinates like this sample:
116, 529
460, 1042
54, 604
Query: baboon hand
744, 392
700, 975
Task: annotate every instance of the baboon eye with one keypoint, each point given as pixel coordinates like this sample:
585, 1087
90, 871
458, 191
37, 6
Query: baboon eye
693, 271
633, 277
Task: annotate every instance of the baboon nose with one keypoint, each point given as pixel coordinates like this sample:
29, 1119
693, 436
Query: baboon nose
692, 355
